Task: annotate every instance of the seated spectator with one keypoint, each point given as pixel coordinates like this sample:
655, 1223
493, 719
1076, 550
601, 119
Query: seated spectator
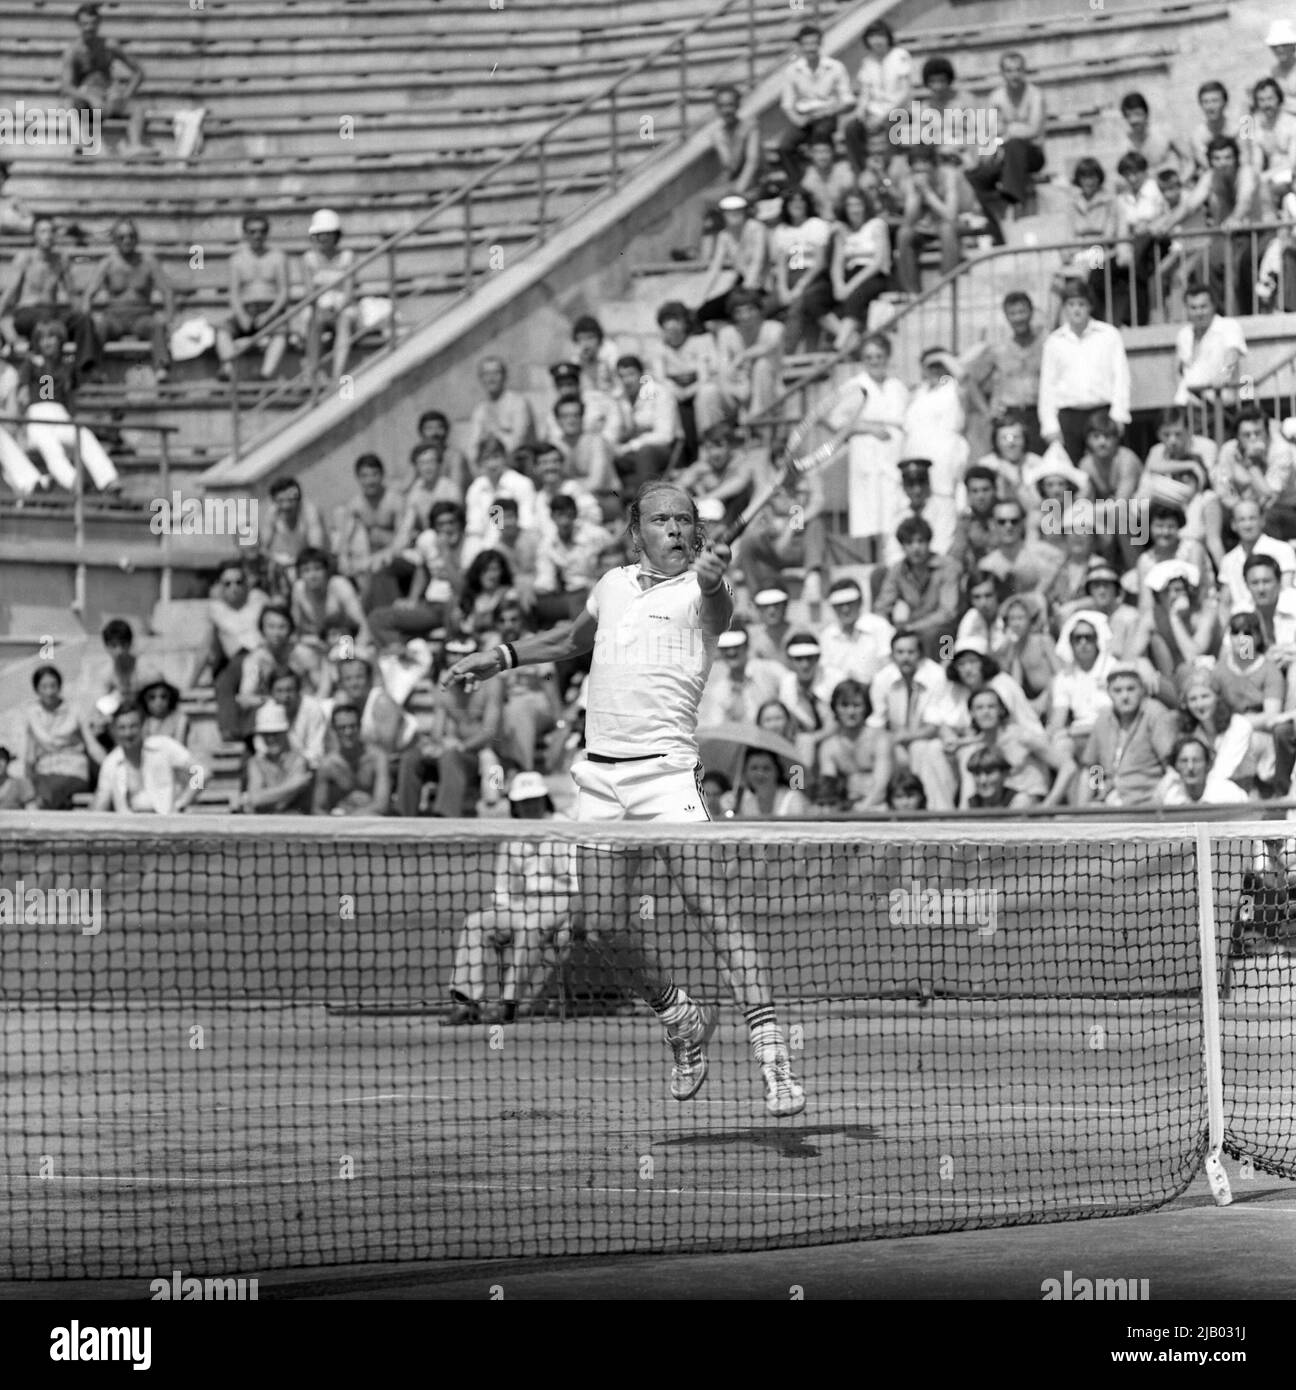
1274, 605
1252, 684
364, 536
137, 298
1020, 119
801, 289
1180, 618
935, 420
1029, 754
552, 482
496, 479
880, 180
435, 586
1212, 101
906, 793
277, 780
1276, 273
14, 215
329, 271
725, 473
535, 886
765, 792
970, 669
736, 144
433, 487
531, 696
827, 179
768, 640
159, 703
646, 427
1127, 753
1209, 351
775, 718
114, 680
1185, 484
860, 268
1050, 489
816, 91
587, 457
308, 722
16, 793
1161, 150
1248, 522
434, 429
463, 727
47, 388
982, 623
234, 614
596, 358
1114, 473
58, 745
1271, 136
1228, 193
1103, 592
853, 762
921, 592
488, 582
504, 414
932, 206
806, 693
988, 770
1186, 260
145, 774
750, 349
1006, 370
520, 548
277, 650
1024, 565
1026, 650
974, 526
739, 260
259, 291
382, 721
857, 644
327, 612
687, 365
1227, 735
903, 695
1093, 220
1084, 369
885, 86
1258, 465
717, 793
569, 562
1192, 779
1066, 590
1009, 459
16, 469
353, 779
739, 683
1166, 521
1078, 692
291, 526
88, 82
1140, 211
40, 289
787, 535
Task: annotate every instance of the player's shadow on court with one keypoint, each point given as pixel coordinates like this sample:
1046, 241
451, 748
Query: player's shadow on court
787, 1143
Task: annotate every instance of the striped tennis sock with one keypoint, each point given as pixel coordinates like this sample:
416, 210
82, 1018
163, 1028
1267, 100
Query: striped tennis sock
766, 1035
670, 1002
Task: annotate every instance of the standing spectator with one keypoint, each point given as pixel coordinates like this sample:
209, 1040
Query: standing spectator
138, 300
277, 779
875, 501
646, 426
736, 144
504, 415
353, 780
816, 92
903, 695
47, 386
935, 420
259, 291
857, 644
1023, 565
931, 213
1126, 755
234, 614
802, 290
88, 83
750, 349
495, 479
1020, 116
435, 586
434, 429
1208, 351
1006, 371
366, 528
688, 365
328, 270
58, 745
1140, 210
861, 267
41, 289
1162, 151
290, 526
16, 793
885, 83
1083, 369
920, 594
939, 513
152, 774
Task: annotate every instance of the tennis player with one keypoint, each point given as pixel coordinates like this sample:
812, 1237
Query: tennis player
653, 630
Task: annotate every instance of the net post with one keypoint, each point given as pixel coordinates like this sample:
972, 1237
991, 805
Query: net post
1212, 1047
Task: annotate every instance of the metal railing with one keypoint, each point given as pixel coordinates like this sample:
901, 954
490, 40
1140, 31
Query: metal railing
76, 423
546, 187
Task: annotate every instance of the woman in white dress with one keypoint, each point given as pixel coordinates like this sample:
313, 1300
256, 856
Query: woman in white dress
875, 499
935, 422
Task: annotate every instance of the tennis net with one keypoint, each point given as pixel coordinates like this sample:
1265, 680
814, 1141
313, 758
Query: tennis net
226, 1044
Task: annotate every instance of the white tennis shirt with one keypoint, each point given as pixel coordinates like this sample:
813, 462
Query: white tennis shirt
652, 657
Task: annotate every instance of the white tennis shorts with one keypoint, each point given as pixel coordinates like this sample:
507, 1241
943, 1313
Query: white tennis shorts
666, 788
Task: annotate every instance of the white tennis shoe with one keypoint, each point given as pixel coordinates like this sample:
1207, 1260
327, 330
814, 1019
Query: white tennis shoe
688, 1039
784, 1094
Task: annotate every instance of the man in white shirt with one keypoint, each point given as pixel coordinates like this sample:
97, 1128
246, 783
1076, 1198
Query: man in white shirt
497, 479
307, 718
1189, 780
1248, 526
857, 644
902, 693
504, 414
154, 774
739, 684
769, 640
815, 92
1208, 351
645, 427
1083, 369
234, 614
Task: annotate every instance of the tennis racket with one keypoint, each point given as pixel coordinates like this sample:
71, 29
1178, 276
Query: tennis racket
821, 439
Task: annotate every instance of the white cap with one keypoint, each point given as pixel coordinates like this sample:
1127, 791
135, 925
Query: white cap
846, 592
807, 646
325, 220
767, 598
1281, 33
528, 786
461, 646
711, 509
270, 719
735, 202
732, 639
1160, 575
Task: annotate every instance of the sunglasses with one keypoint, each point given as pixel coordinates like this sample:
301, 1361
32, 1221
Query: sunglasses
1009, 520
1083, 637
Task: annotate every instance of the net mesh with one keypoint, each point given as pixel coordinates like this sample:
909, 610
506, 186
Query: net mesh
230, 1050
